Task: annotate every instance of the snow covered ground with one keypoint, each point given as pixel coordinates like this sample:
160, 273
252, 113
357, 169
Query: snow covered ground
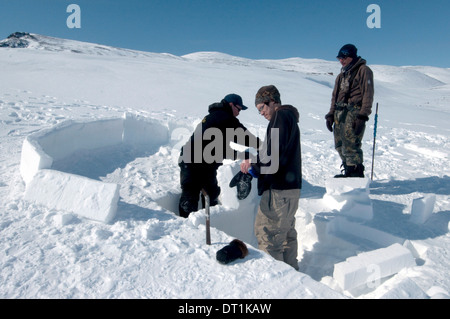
95, 116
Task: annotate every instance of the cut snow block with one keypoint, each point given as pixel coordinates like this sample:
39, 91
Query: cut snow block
350, 207
69, 137
41, 149
33, 158
369, 267
422, 208
73, 193
231, 210
383, 239
350, 197
138, 130
418, 249
348, 187
403, 288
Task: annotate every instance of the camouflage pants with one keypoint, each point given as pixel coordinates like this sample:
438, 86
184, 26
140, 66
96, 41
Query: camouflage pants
347, 144
275, 225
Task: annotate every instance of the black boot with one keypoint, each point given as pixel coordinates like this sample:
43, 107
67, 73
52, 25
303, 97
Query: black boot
343, 171
359, 170
351, 171
355, 171
187, 205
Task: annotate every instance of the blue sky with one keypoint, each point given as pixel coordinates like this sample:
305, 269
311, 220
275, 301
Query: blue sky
413, 32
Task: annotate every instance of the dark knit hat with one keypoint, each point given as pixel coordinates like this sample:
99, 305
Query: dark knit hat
266, 94
348, 50
235, 99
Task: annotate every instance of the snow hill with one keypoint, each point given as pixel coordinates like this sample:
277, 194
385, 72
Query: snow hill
90, 137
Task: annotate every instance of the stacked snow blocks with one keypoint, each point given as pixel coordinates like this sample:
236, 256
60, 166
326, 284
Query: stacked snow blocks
349, 197
349, 200
68, 192
368, 268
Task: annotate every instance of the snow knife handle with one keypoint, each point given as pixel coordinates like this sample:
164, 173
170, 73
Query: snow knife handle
208, 221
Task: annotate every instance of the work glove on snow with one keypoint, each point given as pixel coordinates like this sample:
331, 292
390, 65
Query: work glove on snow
234, 250
244, 184
360, 124
329, 121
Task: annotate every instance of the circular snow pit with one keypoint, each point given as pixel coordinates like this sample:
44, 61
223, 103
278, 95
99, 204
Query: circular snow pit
82, 195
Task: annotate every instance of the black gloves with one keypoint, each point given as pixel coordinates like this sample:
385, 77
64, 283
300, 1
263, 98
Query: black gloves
243, 183
360, 123
234, 250
330, 120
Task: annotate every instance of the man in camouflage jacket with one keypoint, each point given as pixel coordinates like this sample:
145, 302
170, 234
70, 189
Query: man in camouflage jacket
351, 105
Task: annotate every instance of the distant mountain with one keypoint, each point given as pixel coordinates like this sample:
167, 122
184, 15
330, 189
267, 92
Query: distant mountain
317, 70
46, 43
17, 40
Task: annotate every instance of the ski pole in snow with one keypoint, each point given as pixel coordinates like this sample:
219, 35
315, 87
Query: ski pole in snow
374, 138
208, 222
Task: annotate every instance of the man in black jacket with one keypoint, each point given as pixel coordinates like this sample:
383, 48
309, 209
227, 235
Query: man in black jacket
208, 146
279, 171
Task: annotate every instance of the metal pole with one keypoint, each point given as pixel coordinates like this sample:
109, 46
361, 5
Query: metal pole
374, 139
208, 221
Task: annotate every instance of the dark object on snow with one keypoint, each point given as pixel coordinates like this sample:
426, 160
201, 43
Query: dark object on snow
234, 250
351, 171
244, 184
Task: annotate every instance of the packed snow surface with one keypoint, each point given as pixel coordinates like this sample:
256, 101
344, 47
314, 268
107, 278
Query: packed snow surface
89, 182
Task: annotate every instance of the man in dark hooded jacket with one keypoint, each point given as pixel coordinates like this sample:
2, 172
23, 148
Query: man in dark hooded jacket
351, 105
208, 146
279, 171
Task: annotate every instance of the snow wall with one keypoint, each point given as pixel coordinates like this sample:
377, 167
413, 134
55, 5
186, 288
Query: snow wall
81, 195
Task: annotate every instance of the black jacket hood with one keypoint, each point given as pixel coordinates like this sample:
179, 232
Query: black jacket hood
223, 105
291, 108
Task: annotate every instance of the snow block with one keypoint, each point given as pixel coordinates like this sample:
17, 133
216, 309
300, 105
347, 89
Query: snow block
138, 130
404, 289
69, 137
345, 187
422, 208
417, 248
383, 239
33, 158
72, 193
233, 216
349, 196
437, 292
41, 149
369, 267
